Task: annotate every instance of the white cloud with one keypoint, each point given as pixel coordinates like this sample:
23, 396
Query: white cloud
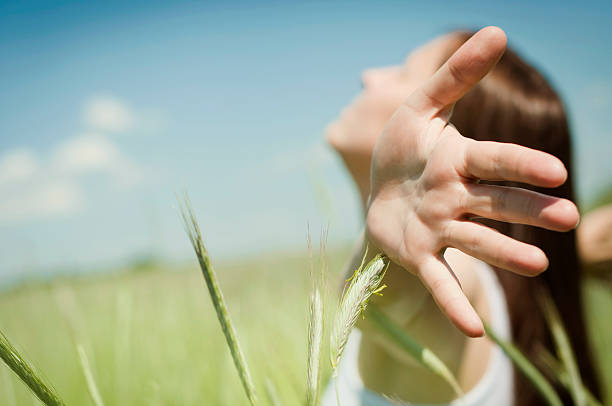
34, 187
94, 153
17, 165
108, 114
45, 199
86, 153
32, 190
311, 158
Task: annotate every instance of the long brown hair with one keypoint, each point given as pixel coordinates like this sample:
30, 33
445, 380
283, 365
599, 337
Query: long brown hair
515, 103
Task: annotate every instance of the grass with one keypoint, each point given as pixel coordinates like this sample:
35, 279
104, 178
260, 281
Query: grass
94, 392
557, 371
22, 368
193, 231
598, 302
527, 368
563, 347
421, 354
155, 337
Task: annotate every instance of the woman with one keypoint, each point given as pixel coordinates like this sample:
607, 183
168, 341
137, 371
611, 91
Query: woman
434, 180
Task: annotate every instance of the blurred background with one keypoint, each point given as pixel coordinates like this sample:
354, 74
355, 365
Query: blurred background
108, 108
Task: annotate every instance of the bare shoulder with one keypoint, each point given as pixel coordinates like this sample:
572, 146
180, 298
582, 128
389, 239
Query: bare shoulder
463, 266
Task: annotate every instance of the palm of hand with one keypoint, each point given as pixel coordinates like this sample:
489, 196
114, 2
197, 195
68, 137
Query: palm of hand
424, 187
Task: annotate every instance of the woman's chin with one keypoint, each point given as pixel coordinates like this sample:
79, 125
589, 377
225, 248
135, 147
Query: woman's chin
335, 136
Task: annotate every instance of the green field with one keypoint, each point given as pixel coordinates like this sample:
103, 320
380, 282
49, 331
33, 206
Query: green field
153, 338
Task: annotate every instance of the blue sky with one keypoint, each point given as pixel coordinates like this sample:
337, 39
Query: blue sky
108, 108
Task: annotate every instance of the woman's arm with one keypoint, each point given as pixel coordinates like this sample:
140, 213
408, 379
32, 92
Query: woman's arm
595, 241
425, 190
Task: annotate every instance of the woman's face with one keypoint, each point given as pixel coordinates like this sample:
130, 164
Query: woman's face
354, 133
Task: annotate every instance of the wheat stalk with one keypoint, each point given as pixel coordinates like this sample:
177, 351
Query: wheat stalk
421, 354
8, 385
123, 319
272, 393
557, 371
315, 335
193, 231
365, 282
26, 373
68, 307
564, 349
527, 368
315, 319
94, 392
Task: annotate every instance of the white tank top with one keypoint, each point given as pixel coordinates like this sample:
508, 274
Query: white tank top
494, 388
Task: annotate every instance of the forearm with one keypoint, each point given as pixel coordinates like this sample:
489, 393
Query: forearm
594, 238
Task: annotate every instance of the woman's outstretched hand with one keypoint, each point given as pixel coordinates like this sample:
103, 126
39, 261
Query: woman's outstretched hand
425, 190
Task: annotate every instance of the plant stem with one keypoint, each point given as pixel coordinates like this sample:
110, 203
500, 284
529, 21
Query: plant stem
527, 368
564, 349
193, 231
423, 355
26, 373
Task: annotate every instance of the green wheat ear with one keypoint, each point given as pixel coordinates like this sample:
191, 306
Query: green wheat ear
365, 282
315, 321
315, 335
193, 231
26, 373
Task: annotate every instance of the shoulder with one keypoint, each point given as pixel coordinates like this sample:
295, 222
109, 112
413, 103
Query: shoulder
465, 268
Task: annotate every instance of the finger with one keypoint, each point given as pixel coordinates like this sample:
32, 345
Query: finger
491, 160
470, 63
516, 205
495, 248
441, 282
